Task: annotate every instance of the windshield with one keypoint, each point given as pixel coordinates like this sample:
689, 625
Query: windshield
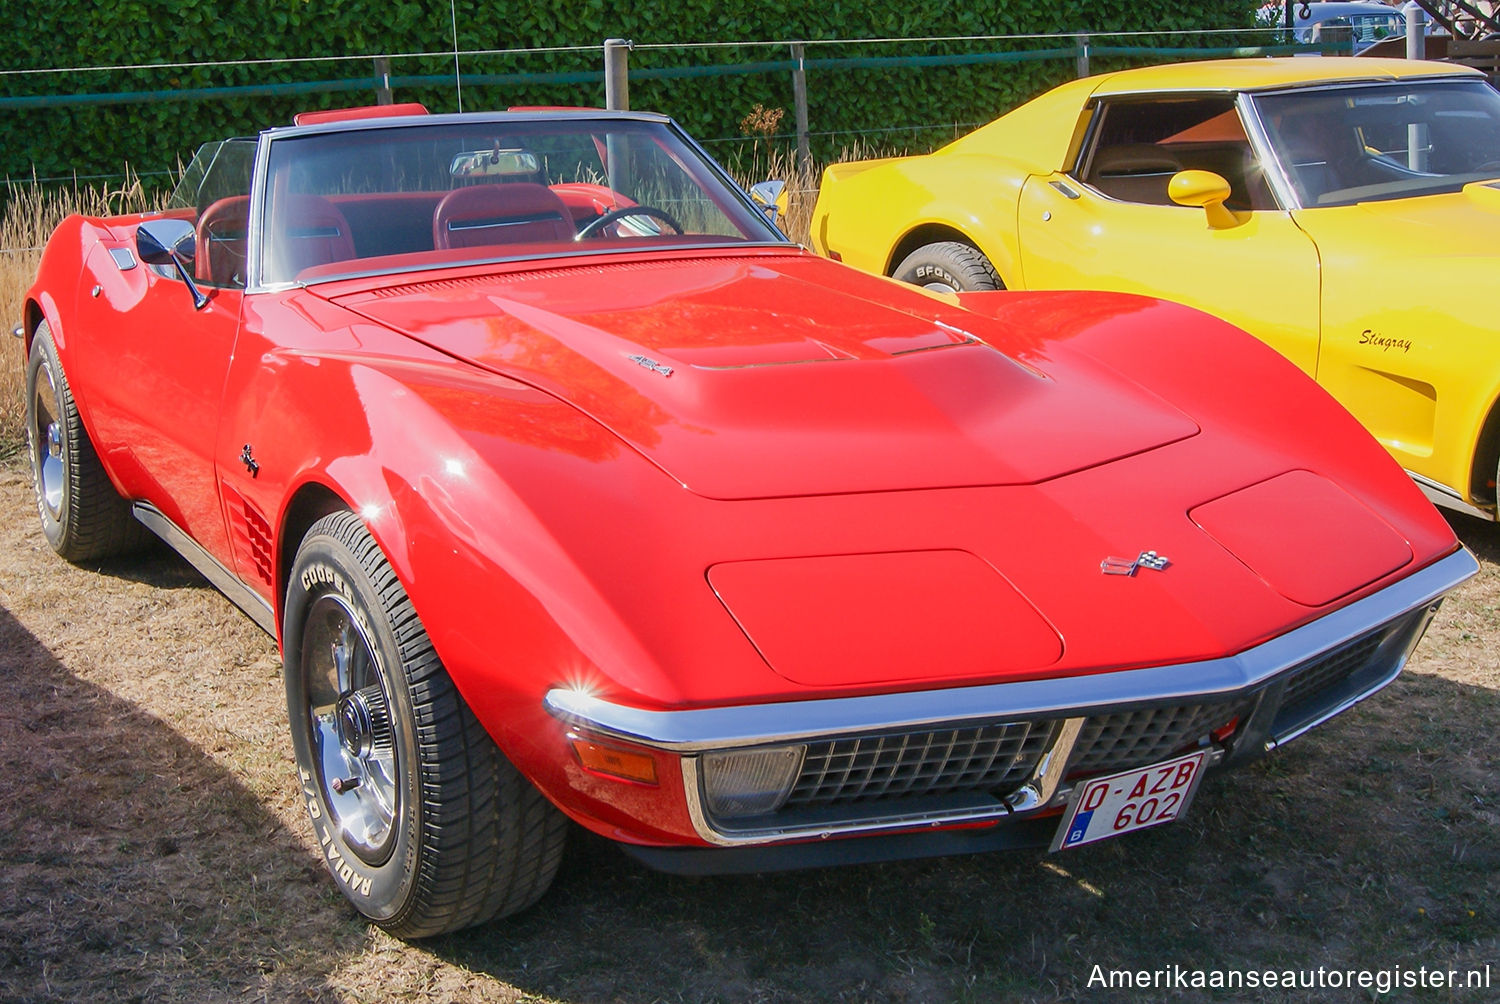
413, 196
1367, 143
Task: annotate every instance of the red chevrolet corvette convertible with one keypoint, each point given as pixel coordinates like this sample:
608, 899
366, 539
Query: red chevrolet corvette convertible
572, 490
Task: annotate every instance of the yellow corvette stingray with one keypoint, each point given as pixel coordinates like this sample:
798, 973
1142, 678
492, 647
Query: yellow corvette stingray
1345, 211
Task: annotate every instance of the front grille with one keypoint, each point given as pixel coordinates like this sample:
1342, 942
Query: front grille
972, 769
1330, 670
985, 758
1130, 739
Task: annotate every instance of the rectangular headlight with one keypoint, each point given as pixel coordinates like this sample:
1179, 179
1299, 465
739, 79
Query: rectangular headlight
749, 782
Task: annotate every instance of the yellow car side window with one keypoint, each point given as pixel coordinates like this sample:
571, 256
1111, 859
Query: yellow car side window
1138, 145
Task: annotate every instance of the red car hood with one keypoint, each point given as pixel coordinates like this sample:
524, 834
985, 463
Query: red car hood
757, 375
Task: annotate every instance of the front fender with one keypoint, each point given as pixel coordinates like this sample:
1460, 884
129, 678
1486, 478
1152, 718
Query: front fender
460, 476
54, 292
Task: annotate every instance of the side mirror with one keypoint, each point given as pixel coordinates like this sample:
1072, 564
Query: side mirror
772, 198
1207, 191
171, 242
163, 241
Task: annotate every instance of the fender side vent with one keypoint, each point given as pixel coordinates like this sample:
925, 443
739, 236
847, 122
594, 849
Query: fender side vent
250, 533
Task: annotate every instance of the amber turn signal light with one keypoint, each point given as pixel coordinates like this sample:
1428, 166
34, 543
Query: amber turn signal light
631, 765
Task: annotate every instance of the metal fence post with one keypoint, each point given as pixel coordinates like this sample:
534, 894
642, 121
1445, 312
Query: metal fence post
1081, 57
1416, 31
383, 74
617, 98
799, 107
617, 73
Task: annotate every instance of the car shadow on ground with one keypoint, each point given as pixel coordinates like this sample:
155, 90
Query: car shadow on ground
1478, 535
134, 867
1369, 843
156, 565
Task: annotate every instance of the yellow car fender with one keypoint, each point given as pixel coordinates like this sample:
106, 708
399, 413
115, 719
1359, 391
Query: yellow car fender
930, 208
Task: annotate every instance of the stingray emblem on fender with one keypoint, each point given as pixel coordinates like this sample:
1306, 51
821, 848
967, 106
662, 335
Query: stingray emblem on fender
1125, 566
651, 364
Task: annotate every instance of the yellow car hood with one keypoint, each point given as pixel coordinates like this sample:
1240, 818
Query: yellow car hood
1421, 231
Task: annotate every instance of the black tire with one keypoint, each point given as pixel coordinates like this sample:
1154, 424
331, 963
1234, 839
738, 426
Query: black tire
949, 267
440, 832
83, 517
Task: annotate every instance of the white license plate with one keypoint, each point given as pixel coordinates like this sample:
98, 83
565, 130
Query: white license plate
1131, 800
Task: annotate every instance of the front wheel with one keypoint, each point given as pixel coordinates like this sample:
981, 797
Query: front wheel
948, 267
83, 517
425, 825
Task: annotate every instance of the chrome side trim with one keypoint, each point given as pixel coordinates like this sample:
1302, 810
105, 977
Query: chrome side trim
251, 603
698, 729
1440, 494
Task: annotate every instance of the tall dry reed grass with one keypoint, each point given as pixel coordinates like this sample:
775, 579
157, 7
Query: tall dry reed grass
31, 213
774, 163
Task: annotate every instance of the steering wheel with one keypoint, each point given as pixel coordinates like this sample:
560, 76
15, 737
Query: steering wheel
597, 224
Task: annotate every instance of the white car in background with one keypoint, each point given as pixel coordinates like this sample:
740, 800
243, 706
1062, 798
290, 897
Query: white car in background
1319, 22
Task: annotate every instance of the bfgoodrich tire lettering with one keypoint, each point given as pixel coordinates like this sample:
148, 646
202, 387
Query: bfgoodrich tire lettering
949, 267
83, 517
424, 824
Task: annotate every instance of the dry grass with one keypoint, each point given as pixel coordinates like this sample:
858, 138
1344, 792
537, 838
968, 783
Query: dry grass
778, 163
770, 163
152, 848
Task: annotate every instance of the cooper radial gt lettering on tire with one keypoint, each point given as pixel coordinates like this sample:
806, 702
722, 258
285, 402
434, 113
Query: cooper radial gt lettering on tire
390, 758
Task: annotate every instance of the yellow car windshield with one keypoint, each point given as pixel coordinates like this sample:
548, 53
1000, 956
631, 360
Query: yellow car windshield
1371, 142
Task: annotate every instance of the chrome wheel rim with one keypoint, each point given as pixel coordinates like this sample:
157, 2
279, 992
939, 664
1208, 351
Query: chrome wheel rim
350, 726
46, 444
939, 287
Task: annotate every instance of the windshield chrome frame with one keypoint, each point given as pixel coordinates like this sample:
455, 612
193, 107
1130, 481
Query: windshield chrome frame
256, 231
1272, 169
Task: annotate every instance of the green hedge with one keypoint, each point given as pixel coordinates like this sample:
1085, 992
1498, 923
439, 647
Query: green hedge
888, 107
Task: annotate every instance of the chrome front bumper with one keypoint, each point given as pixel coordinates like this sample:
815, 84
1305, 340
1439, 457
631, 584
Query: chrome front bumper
1260, 686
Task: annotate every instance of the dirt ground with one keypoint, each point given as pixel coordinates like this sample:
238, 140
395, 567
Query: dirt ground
151, 848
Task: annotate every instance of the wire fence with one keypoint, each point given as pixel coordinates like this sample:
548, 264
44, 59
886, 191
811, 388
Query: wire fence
828, 61
825, 59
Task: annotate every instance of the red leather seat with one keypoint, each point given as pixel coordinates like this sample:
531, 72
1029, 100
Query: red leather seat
504, 213
313, 232
221, 247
